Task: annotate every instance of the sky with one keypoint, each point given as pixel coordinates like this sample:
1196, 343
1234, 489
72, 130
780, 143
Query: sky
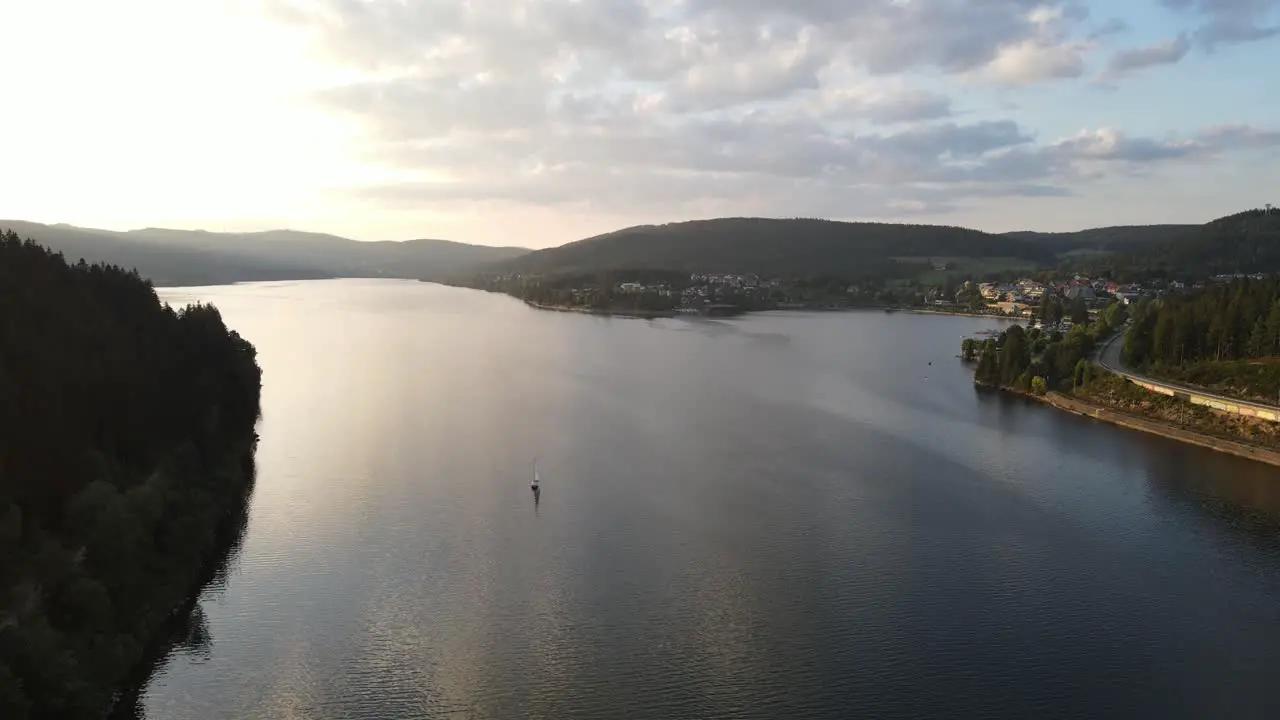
539, 122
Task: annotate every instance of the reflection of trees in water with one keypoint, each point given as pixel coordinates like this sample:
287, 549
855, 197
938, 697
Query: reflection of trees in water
187, 634
1241, 497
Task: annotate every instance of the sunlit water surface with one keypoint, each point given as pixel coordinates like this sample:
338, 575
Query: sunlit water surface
775, 516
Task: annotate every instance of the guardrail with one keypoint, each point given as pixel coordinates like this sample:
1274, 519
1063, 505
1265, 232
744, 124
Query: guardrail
1194, 395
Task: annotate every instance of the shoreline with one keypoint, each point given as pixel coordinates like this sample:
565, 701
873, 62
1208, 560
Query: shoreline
734, 312
636, 314
1065, 403
929, 311
1120, 418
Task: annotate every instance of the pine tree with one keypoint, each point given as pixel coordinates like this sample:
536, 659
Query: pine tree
1258, 339
1273, 329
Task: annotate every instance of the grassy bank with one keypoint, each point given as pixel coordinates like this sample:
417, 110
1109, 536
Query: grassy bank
1162, 428
1115, 393
1112, 399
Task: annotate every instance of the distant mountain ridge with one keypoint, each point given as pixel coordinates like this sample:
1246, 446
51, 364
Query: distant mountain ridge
1243, 242
773, 246
827, 247
200, 257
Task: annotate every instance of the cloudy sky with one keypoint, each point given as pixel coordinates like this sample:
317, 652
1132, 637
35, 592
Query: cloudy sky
536, 122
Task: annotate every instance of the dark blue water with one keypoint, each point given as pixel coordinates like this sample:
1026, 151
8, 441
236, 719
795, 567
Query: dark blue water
777, 516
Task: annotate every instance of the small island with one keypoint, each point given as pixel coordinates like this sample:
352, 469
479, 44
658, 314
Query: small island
126, 450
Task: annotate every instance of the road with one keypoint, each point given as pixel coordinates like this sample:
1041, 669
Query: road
1108, 356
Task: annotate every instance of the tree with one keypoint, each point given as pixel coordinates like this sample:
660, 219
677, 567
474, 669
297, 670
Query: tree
1038, 385
1079, 311
100, 386
1222, 322
1014, 355
1050, 311
988, 370
1258, 339
1273, 328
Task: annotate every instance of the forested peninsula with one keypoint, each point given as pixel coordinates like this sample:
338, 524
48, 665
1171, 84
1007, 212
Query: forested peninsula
126, 448
1223, 338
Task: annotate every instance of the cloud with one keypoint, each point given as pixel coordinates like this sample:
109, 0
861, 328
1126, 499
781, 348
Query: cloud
1167, 52
887, 107
1032, 61
1233, 31
1114, 26
1112, 145
1227, 22
1048, 52
805, 106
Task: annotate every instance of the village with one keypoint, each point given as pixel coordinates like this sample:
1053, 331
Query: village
1021, 298
728, 293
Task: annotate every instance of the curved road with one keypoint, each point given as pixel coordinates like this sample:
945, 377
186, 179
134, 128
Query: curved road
1108, 356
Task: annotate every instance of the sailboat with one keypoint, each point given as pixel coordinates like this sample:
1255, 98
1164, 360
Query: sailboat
534, 485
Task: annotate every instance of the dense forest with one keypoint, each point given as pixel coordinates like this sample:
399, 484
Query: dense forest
126, 440
1038, 360
1246, 242
1223, 337
860, 251
775, 247
1116, 238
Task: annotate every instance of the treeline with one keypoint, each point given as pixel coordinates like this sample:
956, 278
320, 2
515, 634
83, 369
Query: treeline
1038, 360
126, 436
1246, 242
1232, 321
775, 247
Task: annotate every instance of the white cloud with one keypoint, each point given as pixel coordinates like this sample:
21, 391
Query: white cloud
624, 104
1032, 61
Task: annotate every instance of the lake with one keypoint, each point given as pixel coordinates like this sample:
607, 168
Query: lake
783, 515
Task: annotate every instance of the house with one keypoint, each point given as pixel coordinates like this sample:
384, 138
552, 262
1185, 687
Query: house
1014, 309
1083, 292
1128, 294
1031, 289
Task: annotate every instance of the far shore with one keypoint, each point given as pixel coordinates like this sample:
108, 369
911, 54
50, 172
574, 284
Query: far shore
789, 307
601, 311
919, 310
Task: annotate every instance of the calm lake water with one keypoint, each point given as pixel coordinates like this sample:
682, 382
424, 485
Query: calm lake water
776, 516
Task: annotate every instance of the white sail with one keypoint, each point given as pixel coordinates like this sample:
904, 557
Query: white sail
535, 472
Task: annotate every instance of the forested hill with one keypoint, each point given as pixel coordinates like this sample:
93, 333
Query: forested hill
1246, 242
1225, 337
126, 436
803, 247
1230, 321
1117, 238
196, 257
